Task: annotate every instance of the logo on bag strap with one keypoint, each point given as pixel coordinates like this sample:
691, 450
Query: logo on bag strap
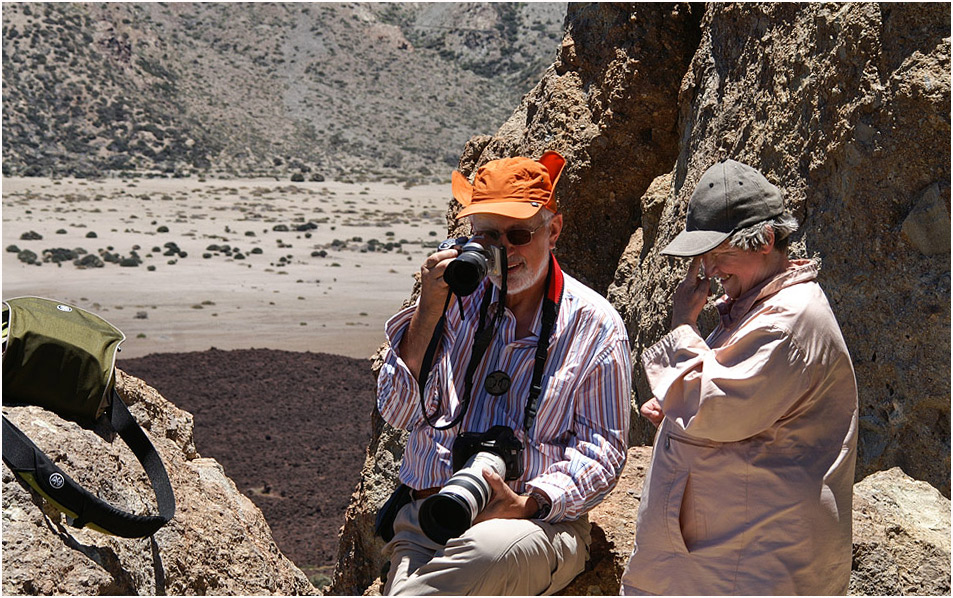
57, 481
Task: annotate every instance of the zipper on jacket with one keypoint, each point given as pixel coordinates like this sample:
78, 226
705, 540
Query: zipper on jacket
689, 441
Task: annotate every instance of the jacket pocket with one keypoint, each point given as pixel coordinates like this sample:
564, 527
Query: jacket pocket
674, 500
707, 506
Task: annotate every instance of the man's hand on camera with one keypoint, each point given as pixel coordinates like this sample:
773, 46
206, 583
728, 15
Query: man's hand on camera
504, 503
433, 288
433, 296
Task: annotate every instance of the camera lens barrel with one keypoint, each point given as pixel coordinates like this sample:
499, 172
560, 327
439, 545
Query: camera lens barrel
451, 511
465, 272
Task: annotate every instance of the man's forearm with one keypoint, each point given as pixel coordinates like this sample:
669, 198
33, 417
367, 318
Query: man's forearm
413, 344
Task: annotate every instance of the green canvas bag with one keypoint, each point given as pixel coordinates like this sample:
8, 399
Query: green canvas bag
62, 358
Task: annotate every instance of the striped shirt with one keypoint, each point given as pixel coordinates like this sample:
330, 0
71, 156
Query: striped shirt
576, 448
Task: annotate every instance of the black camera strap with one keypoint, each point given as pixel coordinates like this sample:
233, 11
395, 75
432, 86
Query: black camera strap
481, 341
554, 296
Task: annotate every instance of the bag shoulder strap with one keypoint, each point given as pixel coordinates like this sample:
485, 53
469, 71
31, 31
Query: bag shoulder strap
82, 508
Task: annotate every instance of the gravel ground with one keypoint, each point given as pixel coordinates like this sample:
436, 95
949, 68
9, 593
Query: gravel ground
290, 428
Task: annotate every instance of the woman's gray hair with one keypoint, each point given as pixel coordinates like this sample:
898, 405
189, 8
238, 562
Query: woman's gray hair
755, 237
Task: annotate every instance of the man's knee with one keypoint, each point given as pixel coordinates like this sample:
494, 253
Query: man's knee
497, 542
499, 557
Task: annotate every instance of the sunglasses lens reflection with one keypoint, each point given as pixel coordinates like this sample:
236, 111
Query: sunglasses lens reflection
515, 236
519, 236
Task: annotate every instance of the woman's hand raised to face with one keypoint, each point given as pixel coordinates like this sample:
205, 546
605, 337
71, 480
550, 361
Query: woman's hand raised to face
690, 295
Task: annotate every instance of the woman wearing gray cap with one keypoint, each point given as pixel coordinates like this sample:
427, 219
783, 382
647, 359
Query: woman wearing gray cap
750, 487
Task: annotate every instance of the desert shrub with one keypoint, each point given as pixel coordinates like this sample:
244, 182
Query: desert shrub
89, 261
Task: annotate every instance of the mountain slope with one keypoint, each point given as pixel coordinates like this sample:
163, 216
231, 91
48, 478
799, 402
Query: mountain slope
368, 90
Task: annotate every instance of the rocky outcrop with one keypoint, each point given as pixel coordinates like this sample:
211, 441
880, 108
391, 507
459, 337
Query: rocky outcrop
845, 107
901, 537
217, 543
360, 563
609, 105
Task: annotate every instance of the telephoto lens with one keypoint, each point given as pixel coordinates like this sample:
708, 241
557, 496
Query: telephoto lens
451, 511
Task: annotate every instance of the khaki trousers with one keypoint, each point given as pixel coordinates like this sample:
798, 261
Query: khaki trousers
498, 557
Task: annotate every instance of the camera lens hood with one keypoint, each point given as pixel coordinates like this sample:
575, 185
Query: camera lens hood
444, 516
465, 272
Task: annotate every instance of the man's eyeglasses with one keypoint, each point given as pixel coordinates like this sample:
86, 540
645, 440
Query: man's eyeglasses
515, 236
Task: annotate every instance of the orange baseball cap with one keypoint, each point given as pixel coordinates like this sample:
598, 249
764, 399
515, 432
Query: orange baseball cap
515, 187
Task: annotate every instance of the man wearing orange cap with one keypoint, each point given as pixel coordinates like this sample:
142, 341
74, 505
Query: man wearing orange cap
530, 350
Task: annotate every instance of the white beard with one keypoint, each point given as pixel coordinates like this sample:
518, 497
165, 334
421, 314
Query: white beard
522, 281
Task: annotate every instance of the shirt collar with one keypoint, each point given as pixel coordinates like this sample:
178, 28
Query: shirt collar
732, 310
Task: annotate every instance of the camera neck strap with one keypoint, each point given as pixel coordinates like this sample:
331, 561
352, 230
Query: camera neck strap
481, 341
551, 302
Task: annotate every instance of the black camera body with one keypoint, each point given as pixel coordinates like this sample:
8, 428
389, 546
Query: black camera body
477, 260
451, 511
499, 440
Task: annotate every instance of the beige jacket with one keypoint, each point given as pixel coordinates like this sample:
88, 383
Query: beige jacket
751, 481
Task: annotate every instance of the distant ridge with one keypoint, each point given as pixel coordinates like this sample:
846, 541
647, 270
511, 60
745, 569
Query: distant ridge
368, 91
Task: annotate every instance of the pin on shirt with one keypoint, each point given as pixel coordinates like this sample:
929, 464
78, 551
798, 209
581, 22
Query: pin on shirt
497, 383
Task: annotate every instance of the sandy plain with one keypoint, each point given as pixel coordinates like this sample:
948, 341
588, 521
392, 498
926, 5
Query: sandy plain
314, 266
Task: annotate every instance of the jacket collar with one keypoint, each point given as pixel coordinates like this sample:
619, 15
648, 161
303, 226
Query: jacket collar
732, 310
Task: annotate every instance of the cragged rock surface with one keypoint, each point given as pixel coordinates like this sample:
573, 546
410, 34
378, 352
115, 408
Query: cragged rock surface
217, 543
901, 537
847, 109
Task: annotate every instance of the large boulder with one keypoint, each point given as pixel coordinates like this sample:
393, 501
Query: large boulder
901, 537
217, 543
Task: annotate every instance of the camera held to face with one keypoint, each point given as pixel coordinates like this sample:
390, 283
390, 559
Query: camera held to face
451, 511
477, 260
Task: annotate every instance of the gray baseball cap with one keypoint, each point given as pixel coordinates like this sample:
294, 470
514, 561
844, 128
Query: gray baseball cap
730, 196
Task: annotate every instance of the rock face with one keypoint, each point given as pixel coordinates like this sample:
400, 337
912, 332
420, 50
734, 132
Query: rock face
359, 553
845, 107
901, 537
217, 543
